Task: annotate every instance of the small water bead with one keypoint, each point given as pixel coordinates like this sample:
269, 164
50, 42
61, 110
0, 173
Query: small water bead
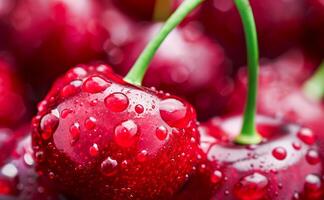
126, 133
296, 145
95, 84
161, 133
142, 156
48, 125
279, 153
116, 102
28, 159
65, 113
39, 156
174, 113
313, 186
306, 135
75, 131
216, 176
90, 123
77, 72
94, 102
312, 157
139, 109
109, 167
252, 187
94, 150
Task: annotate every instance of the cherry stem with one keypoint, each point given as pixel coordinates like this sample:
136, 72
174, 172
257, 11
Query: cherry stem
314, 87
162, 10
249, 134
137, 72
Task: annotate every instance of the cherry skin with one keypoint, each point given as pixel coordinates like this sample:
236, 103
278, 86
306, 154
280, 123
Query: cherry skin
12, 104
55, 34
102, 138
202, 72
18, 178
285, 166
278, 28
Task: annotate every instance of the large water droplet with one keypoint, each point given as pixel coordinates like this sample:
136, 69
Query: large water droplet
94, 150
306, 135
90, 123
279, 153
312, 157
65, 113
48, 125
109, 167
116, 102
71, 89
126, 134
139, 109
174, 113
252, 187
95, 84
216, 177
161, 132
312, 187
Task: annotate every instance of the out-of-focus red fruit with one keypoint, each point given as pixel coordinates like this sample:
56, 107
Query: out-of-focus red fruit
12, 105
314, 39
281, 95
279, 24
49, 36
285, 166
18, 178
188, 64
102, 138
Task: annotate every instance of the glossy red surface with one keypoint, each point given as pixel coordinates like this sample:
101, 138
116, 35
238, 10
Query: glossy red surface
97, 145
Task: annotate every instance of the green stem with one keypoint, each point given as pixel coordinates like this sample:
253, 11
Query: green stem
162, 10
249, 134
137, 72
314, 87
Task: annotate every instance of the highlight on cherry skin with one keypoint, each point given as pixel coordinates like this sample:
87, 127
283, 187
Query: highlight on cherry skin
102, 138
286, 165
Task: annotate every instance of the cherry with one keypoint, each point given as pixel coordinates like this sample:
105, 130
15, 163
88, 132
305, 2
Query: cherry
284, 166
146, 150
12, 105
278, 28
201, 76
55, 34
18, 178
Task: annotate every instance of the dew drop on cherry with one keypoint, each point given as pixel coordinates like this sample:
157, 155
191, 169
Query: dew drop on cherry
142, 156
48, 125
71, 89
95, 84
279, 153
109, 167
75, 131
161, 132
216, 177
65, 113
116, 102
90, 123
296, 145
139, 109
126, 133
312, 187
312, 157
306, 135
94, 150
174, 113
252, 187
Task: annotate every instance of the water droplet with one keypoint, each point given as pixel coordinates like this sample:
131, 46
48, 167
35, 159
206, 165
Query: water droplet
216, 176
126, 134
109, 167
65, 113
28, 159
312, 157
48, 125
252, 187
39, 156
161, 132
296, 145
116, 102
95, 84
142, 156
94, 102
312, 187
94, 150
279, 153
139, 109
75, 132
9, 170
174, 113
306, 135
90, 123
71, 89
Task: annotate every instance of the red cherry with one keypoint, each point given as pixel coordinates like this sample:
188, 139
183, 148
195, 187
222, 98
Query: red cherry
110, 150
254, 172
12, 105
278, 28
202, 72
